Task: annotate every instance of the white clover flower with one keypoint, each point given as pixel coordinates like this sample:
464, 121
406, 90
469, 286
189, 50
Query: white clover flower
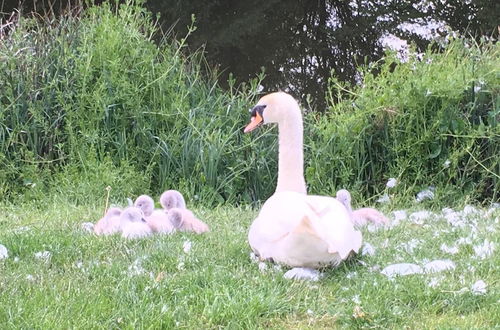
391, 183
425, 194
447, 163
88, 227
384, 199
4, 254
479, 287
187, 246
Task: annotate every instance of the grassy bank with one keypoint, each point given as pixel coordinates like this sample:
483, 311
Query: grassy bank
86, 281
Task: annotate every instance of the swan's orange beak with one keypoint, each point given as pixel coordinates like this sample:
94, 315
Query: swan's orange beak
255, 122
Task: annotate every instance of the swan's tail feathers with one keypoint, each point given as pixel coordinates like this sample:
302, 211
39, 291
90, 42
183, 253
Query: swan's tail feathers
361, 217
346, 248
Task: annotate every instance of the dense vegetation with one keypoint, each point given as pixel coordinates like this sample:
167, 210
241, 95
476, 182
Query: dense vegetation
90, 100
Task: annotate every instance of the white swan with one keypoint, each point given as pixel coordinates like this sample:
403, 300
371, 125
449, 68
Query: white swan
133, 223
361, 216
294, 228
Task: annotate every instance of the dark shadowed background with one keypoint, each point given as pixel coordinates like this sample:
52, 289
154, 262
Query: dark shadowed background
300, 43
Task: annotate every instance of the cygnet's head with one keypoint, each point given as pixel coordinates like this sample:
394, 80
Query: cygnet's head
172, 198
146, 204
344, 197
273, 108
132, 214
113, 212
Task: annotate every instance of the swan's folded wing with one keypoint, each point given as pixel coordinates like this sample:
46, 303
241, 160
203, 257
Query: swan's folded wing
332, 223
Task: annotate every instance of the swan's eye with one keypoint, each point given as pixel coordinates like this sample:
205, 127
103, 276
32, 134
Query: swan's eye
258, 109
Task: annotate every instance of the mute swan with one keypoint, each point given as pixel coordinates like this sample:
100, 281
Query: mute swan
360, 216
185, 220
172, 198
133, 223
294, 228
110, 223
146, 204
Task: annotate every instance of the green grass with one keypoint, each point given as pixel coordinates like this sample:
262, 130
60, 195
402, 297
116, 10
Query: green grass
91, 281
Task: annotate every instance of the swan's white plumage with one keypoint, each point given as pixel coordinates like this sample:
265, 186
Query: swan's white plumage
293, 228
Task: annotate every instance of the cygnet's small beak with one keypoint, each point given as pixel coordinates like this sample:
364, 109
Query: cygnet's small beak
255, 122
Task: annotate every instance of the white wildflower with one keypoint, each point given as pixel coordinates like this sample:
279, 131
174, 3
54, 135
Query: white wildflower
307, 274
79, 264
180, 265
164, 308
391, 183
4, 254
262, 266
309, 312
43, 255
449, 249
402, 269
356, 299
384, 199
88, 227
484, 250
187, 246
16, 259
368, 249
30, 278
447, 163
425, 194
253, 257
479, 287
437, 266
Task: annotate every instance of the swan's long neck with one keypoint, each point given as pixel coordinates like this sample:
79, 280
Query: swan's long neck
291, 154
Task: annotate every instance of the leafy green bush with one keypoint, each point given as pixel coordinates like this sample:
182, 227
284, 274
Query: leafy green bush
429, 121
92, 89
